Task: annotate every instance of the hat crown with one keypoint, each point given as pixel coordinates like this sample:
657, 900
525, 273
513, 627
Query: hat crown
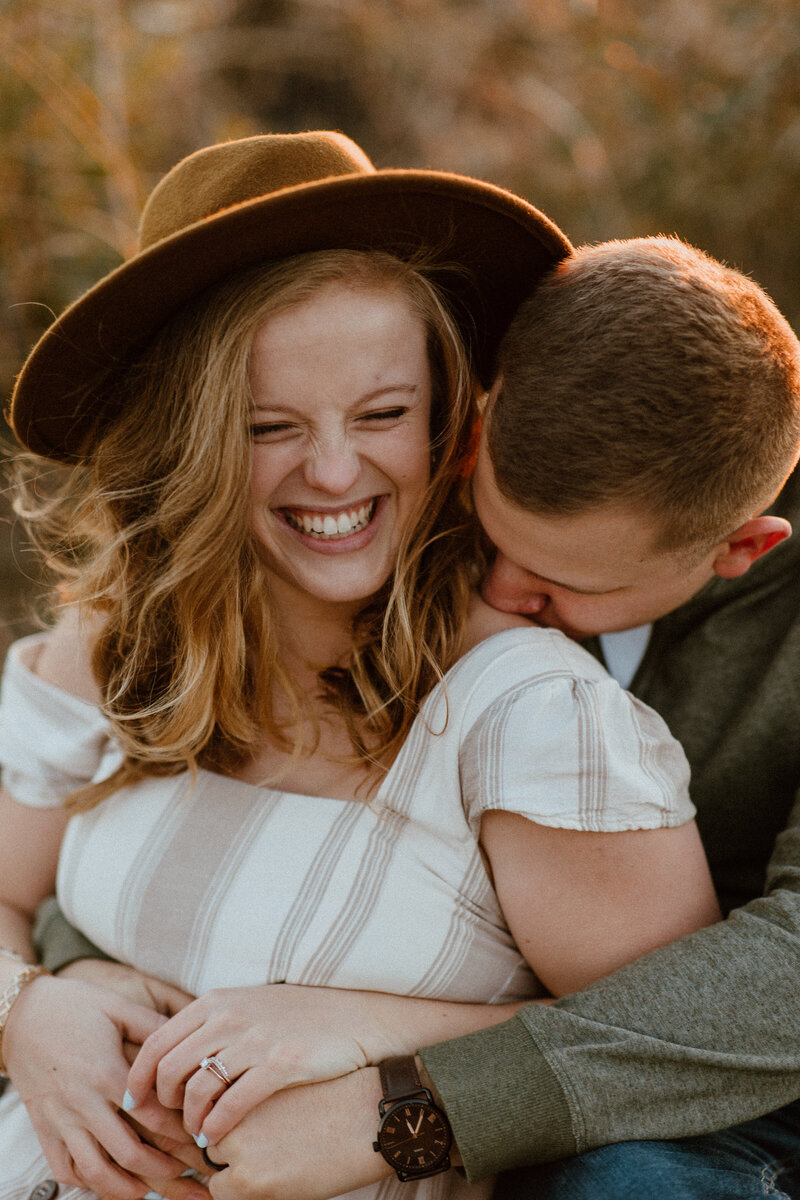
222, 176
258, 200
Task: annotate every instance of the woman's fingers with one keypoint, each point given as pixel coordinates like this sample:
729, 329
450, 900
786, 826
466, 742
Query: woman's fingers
80, 1160
149, 1072
180, 1066
204, 1092
58, 1158
176, 1142
181, 1189
127, 981
161, 1127
130, 1153
93, 1169
173, 1189
202, 1089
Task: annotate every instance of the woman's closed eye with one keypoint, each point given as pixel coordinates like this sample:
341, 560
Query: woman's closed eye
386, 415
271, 430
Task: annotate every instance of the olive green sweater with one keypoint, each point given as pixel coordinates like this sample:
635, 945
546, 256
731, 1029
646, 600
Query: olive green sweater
705, 1032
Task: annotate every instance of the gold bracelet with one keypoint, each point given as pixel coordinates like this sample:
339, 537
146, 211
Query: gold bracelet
25, 974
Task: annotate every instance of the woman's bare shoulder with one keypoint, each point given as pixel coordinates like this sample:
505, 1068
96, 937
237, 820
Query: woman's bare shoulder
483, 621
66, 652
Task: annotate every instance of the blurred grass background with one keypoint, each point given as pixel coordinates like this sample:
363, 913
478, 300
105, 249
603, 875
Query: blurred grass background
617, 117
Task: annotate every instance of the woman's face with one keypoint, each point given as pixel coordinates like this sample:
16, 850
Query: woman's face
341, 441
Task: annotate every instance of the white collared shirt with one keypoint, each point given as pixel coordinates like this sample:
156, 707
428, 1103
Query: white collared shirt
623, 651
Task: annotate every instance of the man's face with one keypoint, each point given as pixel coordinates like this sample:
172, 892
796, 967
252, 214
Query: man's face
587, 574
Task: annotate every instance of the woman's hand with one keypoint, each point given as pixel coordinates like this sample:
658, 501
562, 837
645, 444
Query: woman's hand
268, 1037
64, 1048
276, 1036
125, 980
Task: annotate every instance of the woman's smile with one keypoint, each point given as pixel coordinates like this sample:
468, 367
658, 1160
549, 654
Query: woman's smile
340, 525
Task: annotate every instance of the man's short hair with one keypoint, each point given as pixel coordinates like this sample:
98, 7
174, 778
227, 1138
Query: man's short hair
646, 373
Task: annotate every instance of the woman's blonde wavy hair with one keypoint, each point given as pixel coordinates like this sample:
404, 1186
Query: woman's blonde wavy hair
153, 534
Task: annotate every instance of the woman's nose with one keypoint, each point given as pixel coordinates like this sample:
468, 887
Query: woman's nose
332, 466
512, 589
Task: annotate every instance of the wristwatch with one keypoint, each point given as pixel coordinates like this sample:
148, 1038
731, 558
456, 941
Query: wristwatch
414, 1135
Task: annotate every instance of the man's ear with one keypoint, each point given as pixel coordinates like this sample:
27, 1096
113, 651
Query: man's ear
491, 396
749, 542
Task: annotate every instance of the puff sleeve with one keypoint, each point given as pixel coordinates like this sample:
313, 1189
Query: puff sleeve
560, 742
50, 741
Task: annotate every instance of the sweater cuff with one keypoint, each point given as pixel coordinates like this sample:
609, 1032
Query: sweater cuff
57, 942
505, 1104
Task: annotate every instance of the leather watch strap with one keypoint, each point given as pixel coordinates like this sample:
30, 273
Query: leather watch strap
399, 1077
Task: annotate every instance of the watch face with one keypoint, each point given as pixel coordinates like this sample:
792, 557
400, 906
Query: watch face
414, 1137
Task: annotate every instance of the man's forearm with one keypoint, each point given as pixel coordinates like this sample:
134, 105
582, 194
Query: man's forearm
696, 1036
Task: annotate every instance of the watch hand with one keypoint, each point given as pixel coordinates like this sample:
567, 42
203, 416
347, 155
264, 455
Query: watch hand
419, 1122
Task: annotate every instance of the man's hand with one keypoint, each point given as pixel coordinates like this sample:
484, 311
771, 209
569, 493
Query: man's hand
305, 1143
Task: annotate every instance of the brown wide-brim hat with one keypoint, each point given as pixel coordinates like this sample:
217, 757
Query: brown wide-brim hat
260, 199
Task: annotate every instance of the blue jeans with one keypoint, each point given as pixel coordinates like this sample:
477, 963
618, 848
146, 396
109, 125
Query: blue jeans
747, 1162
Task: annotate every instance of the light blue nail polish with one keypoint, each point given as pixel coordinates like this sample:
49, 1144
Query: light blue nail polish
154, 1196
128, 1102
201, 1139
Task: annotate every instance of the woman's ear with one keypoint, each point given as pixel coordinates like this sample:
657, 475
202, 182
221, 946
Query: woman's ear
749, 542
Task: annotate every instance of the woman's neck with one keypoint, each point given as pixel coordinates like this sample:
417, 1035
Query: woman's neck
312, 635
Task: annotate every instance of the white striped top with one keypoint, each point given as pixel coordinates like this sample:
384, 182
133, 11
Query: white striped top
227, 884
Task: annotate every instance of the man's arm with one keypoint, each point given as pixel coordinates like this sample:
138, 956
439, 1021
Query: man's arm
695, 1036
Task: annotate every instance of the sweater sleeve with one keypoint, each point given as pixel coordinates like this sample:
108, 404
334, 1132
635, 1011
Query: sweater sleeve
695, 1036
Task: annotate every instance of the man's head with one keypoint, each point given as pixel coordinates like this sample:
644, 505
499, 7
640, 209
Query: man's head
647, 411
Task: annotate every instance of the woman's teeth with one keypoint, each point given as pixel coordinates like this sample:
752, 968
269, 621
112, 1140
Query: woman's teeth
325, 525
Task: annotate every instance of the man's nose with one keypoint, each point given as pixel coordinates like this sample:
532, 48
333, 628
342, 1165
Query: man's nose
333, 467
512, 589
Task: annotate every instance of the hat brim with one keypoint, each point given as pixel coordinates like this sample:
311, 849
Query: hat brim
497, 244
